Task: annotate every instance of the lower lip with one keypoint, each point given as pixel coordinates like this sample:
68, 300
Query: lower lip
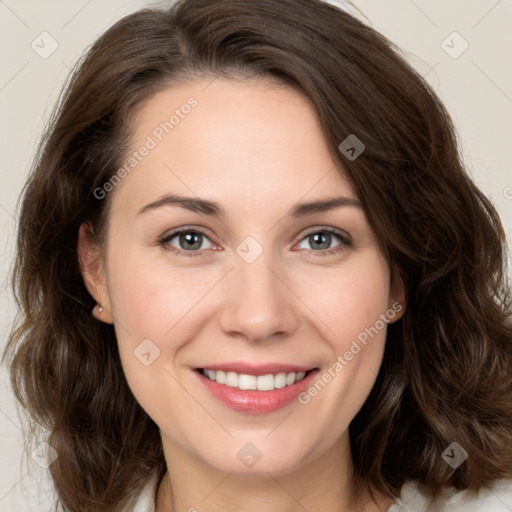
254, 401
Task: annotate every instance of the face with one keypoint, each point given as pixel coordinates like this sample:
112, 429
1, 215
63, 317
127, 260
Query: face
236, 246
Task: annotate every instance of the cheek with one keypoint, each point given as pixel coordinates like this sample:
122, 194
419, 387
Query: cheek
158, 310
347, 300
352, 310
150, 305
149, 297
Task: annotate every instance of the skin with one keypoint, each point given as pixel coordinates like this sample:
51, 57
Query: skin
257, 149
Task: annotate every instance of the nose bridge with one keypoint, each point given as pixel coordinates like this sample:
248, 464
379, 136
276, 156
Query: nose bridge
257, 304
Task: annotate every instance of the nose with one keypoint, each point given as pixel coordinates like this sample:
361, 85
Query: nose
258, 305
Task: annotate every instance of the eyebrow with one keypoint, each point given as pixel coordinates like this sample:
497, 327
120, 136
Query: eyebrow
215, 210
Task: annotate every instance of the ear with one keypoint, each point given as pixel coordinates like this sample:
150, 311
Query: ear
92, 267
397, 297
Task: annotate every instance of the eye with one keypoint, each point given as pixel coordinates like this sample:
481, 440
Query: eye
186, 241
320, 241
190, 242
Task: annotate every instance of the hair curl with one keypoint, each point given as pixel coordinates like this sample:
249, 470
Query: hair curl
446, 373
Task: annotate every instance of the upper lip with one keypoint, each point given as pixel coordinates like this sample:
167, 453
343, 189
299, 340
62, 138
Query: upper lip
257, 369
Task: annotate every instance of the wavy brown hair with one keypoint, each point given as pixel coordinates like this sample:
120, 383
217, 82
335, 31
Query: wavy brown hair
446, 373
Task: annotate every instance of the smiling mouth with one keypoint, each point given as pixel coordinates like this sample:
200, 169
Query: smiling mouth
245, 381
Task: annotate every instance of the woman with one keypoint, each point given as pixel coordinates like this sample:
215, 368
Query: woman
186, 343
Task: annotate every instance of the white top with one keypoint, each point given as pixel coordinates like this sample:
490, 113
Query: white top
495, 499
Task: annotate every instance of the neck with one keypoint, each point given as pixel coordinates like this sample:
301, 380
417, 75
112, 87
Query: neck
324, 483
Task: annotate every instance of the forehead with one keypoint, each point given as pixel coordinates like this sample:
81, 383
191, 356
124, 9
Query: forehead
231, 138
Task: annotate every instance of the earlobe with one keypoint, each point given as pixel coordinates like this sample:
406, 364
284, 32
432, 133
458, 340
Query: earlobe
102, 314
92, 269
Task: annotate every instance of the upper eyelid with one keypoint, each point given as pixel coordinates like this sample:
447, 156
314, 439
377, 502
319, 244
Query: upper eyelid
173, 233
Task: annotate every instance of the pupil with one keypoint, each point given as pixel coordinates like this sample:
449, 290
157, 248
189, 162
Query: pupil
188, 239
316, 238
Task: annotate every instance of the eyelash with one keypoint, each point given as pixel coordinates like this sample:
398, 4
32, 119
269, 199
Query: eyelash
345, 241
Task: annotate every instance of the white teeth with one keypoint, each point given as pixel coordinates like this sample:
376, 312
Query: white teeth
265, 383
231, 379
290, 378
260, 383
280, 380
247, 381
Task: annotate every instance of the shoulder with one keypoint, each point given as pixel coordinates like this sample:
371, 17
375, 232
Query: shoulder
145, 501
497, 498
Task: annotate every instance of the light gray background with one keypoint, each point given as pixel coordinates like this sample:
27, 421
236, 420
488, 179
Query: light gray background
476, 87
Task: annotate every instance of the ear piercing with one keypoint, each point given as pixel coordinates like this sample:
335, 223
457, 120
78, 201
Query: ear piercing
100, 308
